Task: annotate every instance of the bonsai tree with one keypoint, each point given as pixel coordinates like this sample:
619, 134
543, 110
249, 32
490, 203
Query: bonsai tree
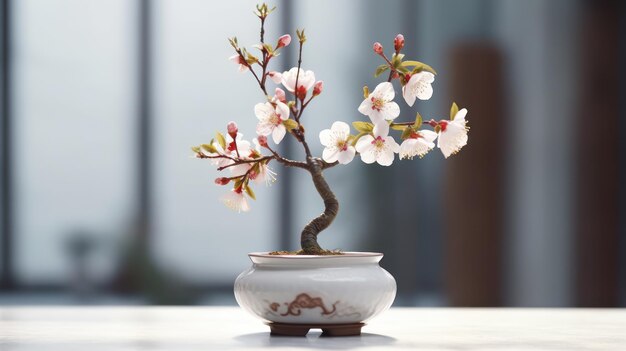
281, 113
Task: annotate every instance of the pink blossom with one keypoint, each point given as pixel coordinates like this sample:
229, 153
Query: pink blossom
318, 87
280, 95
378, 48
232, 129
276, 77
243, 65
283, 41
398, 42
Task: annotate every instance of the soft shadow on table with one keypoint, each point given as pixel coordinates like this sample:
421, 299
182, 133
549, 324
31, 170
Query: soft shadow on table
315, 340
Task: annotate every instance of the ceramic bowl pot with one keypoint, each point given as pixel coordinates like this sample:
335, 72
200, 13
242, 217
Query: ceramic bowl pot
318, 291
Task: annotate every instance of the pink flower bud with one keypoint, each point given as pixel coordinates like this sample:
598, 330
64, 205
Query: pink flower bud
398, 42
378, 48
318, 87
283, 41
232, 129
222, 181
301, 92
280, 95
262, 140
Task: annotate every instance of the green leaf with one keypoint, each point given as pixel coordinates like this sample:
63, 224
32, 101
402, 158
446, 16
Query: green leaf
221, 140
269, 48
209, 148
397, 127
453, 110
195, 149
396, 60
418, 121
250, 192
380, 69
366, 92
406, 133
290, 124
402, 69
238, 183
419, 66
363, 127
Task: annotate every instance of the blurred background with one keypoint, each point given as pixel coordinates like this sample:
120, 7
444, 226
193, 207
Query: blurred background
102, 203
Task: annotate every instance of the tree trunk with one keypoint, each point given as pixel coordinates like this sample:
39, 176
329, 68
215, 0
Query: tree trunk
308, 238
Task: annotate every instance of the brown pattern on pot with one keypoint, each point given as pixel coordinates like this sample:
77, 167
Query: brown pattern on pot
302, 301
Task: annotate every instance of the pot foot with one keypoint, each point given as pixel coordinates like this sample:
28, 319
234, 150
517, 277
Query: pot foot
285, 329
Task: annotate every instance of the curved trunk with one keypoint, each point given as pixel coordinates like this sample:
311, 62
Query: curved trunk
308, 238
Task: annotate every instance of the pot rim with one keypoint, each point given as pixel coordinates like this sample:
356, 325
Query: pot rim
346, 254
348, 258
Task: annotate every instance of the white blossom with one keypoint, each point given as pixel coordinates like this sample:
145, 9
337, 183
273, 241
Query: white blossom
264, 173
271, 119
243, 65
276, 77
419, 86
379, 105
418, 144
453, 134
378, 148
235, 200
306, 79
336, 142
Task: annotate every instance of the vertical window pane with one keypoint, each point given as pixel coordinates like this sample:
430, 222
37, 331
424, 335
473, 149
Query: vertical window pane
74, 128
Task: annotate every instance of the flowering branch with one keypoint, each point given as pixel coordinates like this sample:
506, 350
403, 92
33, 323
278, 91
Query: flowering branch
372, 143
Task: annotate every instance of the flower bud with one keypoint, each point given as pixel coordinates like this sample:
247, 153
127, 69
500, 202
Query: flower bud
280, 95
301, 92
283, 41
398, 42
222, 181
262, 139
318, 87
232, 129
378, 48
395, 75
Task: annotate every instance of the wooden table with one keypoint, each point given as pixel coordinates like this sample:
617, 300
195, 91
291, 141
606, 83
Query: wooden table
230, 328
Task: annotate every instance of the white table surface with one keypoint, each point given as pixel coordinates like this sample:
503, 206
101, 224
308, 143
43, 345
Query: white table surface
230, 328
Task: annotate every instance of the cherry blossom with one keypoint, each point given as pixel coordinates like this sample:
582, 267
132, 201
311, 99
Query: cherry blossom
232, 129
378, 48
418, 144
271, 119
306, 79
378, 148
243, 65
276, 77
242, 147
318, 88
235, 200
398, 42
262, 173
419, 86
235, 148
453, 134
283, 41
379, 105
337, 145
279, 94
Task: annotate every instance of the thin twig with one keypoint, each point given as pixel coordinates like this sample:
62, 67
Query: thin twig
295, 88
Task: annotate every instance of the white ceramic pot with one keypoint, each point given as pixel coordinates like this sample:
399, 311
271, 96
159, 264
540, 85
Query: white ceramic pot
300, 289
